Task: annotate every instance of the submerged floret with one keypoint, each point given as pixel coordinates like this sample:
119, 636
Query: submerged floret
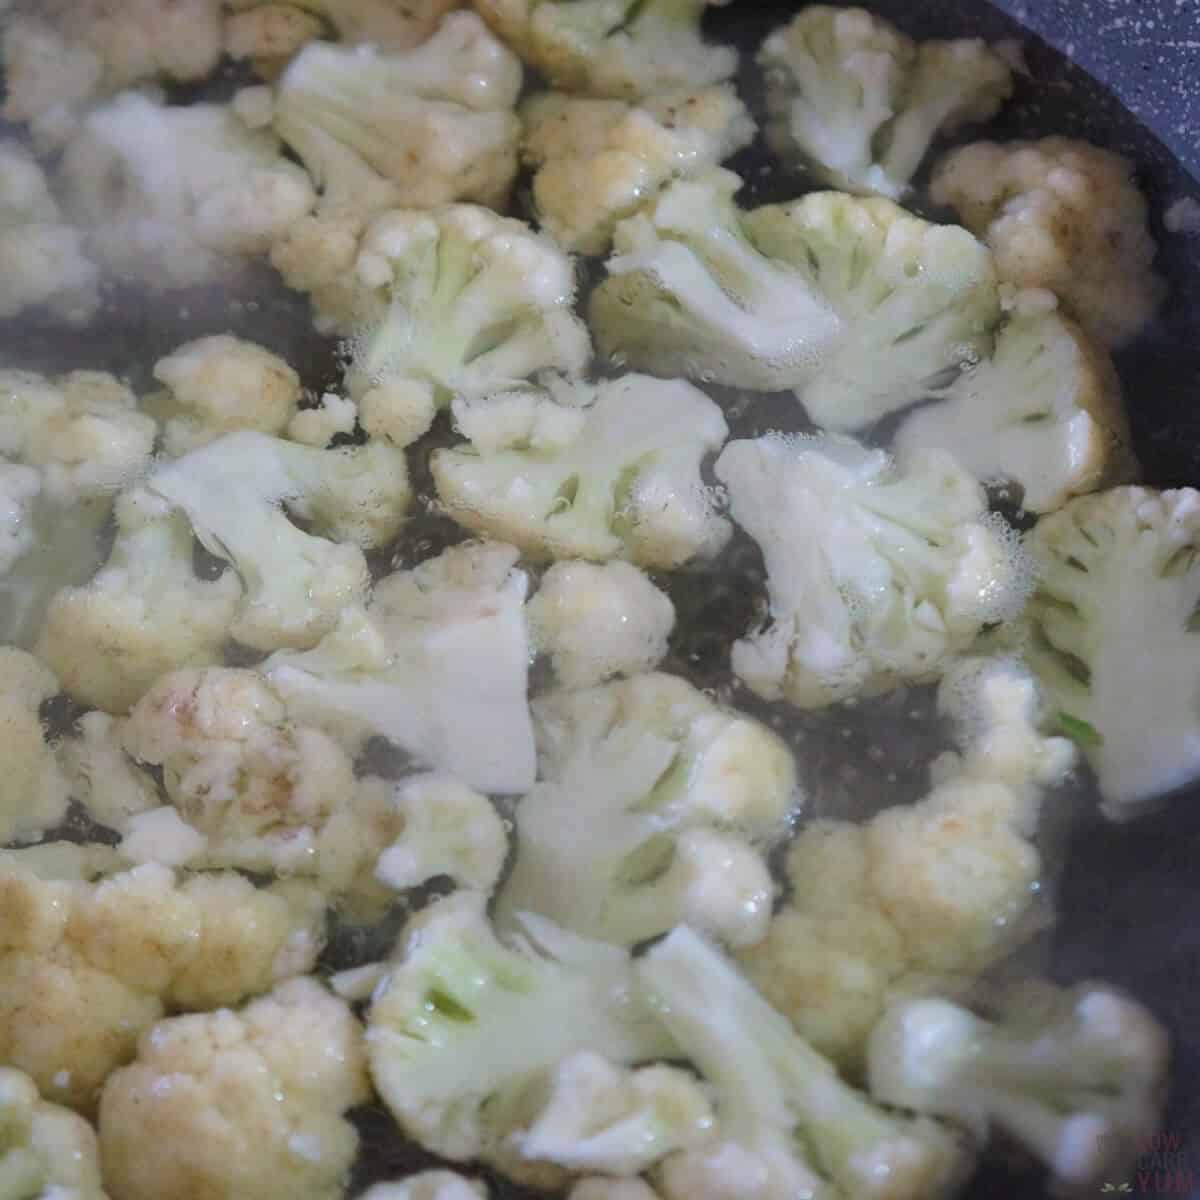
390, 23
429, 1185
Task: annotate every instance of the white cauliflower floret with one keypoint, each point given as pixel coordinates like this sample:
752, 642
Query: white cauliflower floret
33, 789
438, 664
854, 304
248, 1104
429, 1185
143, 614
160, 835
626, 485
269, 36
46, 1152
102, 777
1063, 215
295, 583
221, 384
1044, 411
318, 426
618, 48
597, 162
466, 303
852, 98
390, 23
650, 798
601, 1188
42, 260
178, 196
1114, 617
877, 572
599, 621
19, 487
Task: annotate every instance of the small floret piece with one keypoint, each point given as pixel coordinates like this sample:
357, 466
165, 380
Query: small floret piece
1114, 616
1044, 411
463, 1024
852, 98
102, 777
856, 305
1081, 1083
269, 36
597, 162
618, 48
178, 196
438, 663
248, 1104
295, 583
652, 808
144, 613
42, 260
429, 1185
1063, 215
46, 1152
599, 621
390, 23
221, 384
19, 487
877, 571
318, 426
468, 303
600, 1187
781, 1102
626, 485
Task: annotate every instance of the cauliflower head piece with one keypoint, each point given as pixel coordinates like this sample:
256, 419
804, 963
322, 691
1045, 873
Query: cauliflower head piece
240, 1104
854, 304
654, 806
877, 572
1064, 215
429, 1185
858, 103
619, 478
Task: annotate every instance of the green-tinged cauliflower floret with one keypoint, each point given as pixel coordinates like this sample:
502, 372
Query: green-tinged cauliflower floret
652, 808
597, 162
249, 1104
877, 572
856, 305
852, 98
429, 1185
42, 260
438, 664
1044, 412
463, 1026
1063, 215
145, 613
466, 303
617, 479
618, 48
234, 491
178, 196
1114, 616
1077, 1077
779, 1101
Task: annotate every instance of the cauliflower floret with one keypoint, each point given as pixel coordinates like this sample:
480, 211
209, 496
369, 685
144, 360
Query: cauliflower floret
46, 1152
269, 36
429, 1185
601, 1188
316, 256
617, 48
1063, 215
318, 426
19, 487
42, 261
599, 621
438, 663
221, 384
648, 800
1114, 617
851, 97
855, 304
143, 614
626, 485
877, 572
178, 196
466, 303
390, 23
597, 162
295, 583
248, 1104
102, 777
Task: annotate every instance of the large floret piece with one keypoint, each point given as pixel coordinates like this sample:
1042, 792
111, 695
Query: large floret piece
438, 663
653, 807
248, 1104
617, 479
178, 196
858, 102
597, 162
1063, 215
877, 572
856, 305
